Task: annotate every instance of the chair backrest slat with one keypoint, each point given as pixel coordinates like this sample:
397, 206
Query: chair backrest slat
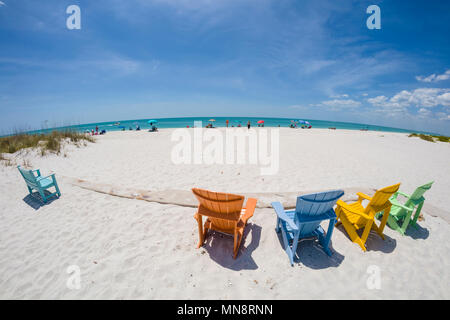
419, 192
313, 205
226, 204
28, 176
381, 198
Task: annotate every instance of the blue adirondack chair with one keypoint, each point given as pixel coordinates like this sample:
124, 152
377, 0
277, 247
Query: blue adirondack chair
35, 181
304, 221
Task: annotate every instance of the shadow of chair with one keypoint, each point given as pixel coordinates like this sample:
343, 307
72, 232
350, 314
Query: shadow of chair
35, 200
217, 245
311, 254
417, 232
374, 242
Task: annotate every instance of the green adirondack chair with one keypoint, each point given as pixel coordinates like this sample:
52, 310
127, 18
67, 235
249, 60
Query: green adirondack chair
401, 215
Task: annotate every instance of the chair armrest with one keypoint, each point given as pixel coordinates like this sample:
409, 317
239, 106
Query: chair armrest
398, 204
400, 193
416, 202
346, 207
363, 196
249, 209
403, 194
52, 176
279, 210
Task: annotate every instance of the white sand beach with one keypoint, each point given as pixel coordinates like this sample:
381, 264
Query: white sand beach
130, 248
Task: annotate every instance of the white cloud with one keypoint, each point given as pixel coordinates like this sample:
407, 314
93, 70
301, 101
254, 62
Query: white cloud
386, 105
299, 107
434, 77
444, 99
108, 62
2, 3
421, 98
378, 101
314, 65
340, 104
424, 112
339, 96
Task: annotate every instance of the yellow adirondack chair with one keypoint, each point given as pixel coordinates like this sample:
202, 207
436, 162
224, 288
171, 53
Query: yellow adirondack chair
354, 216
224, 213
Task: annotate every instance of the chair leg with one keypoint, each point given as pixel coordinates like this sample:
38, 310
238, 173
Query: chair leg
240, 235
369, 225
277, 228
206, 228
44, 199
200, 230
337, 221
30, 190
405, 223
416, 216
383, 221
351, 231
287, 247
326, 240
236, 244
57, 189
295, 245
393, 224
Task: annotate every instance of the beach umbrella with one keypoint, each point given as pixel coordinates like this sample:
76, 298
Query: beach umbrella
212, 120
261, 121
302, 121
152, 121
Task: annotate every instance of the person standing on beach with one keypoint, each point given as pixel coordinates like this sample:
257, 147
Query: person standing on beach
227, 123
248, 124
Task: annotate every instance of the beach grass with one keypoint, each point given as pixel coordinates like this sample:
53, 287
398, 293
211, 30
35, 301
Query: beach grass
430, 138
46, 142
442, 138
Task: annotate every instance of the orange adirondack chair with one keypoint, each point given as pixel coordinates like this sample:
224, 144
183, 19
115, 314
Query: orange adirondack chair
225, 213
354, 216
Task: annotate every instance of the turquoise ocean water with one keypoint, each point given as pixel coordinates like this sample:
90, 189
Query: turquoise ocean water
221, 122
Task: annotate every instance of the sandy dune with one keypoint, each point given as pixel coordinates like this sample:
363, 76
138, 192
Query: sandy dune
134, 249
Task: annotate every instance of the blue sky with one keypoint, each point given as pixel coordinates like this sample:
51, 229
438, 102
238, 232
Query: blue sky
137, 59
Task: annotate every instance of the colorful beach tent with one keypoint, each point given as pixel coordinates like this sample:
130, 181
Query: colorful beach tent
261, 121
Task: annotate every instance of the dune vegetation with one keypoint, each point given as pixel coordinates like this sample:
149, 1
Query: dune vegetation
430, 137
46, 142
